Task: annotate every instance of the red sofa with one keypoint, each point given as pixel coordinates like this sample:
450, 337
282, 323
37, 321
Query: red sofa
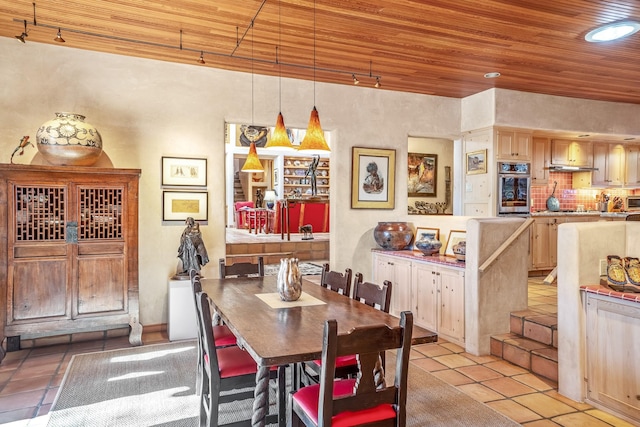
316, 214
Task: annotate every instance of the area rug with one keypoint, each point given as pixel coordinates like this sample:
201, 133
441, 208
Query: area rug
154, 386
306, 268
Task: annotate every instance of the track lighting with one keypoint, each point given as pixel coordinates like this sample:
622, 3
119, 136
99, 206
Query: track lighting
355, 79
59, 38
201, 59
24, 34
377, 85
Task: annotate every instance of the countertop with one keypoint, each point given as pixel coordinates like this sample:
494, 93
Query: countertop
446, 261
585, 213
605, 290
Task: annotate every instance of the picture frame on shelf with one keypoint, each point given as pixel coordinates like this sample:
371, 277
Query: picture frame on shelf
476, 162
420, 230
455, 237
179, 205
184, 172
373, 178
423, 175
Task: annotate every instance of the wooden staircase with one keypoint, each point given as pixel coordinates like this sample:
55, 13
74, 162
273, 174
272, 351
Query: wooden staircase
532, 343
238, 192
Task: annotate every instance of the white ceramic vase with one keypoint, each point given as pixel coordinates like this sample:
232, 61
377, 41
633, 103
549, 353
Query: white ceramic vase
68, 140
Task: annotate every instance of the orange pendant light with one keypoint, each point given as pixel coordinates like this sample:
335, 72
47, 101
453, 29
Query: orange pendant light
314, 138
280, 138
252, 164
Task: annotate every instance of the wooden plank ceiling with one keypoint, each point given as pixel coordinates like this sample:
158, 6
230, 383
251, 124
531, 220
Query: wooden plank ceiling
434, 47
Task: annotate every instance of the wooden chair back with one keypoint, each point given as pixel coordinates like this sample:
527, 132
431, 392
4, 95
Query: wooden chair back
369, 389
335, 281
242, 269
371, 294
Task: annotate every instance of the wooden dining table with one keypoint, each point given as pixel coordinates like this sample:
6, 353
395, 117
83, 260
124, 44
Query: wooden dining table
279, 333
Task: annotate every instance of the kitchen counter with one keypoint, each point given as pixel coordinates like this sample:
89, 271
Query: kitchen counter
417, 256
581, 214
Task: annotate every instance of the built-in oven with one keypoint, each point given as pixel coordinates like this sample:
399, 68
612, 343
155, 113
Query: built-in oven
514, 188
633, 203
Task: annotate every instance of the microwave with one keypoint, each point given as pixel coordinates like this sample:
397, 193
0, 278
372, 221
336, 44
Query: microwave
633, 203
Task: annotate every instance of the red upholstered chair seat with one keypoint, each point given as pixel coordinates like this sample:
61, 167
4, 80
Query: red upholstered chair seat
233, 361
307, 398
341, 361
223, 336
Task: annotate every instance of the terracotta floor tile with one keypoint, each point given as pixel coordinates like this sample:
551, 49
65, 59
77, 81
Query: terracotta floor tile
505, 368
35, 371
479, 372
544, 405
539, 383
581, 419
541, 423
452, 377
14, 402
513, 410
608, 418
50, 395
429, 365
578, 405
455, 348
431, 350
480, 393
508, 387
27, 384
454, 360
16, 415
480, 359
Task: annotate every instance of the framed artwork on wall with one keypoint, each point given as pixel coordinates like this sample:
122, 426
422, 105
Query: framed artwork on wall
476, 162
373, 178
179, 205
184, 172
423, 175
455, 237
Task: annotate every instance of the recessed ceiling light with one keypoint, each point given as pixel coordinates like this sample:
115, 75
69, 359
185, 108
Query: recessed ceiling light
492, 75
614, 31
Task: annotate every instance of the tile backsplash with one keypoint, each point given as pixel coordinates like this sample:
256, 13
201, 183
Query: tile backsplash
570, 197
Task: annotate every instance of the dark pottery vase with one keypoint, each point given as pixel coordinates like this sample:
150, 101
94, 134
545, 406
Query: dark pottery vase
428, 244
393, 236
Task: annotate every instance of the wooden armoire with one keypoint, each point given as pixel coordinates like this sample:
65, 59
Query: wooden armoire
68, 251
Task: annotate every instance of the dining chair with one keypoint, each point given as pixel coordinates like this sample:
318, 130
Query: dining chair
367, 399
375, 296
335, 281
242, 269
229, 369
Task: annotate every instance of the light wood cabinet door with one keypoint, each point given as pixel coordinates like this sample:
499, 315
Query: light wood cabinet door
451, 313
512, 145
544, 251
632, 175
425, 289
571, 153
398, 272
613, 345
540, 160
609, 160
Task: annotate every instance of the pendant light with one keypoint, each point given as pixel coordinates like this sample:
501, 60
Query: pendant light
314, 138
280, 138
252, 164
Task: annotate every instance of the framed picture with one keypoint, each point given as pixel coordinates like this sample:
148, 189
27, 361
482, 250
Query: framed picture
373, 178
184, 172
179, 205
420, 230
455, 237
423, 177
477, 162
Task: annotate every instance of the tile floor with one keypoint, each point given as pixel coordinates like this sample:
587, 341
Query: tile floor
29, 379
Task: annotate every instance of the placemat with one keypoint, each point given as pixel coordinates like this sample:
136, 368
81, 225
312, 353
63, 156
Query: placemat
273, 300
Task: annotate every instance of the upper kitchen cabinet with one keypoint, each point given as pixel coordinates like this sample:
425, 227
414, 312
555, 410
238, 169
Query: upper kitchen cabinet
540, 160
608, 162
513, 145
632, 175
571, 153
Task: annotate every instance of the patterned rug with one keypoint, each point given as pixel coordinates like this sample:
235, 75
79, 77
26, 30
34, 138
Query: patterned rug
306, 268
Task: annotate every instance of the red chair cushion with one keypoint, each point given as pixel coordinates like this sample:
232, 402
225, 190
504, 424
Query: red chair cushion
223, 336
341, 361
233, 361
307, 398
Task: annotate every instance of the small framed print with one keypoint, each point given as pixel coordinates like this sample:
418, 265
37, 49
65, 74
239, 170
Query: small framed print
421, 230
180, 205
476, 162
455, 237
184, 172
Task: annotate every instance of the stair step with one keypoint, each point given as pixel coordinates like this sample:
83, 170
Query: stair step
536, 326
534, 356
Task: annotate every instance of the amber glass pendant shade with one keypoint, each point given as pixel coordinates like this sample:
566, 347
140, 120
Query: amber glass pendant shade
252, 164
314, 138
279, 139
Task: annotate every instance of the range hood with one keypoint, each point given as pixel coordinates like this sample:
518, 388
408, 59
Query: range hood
571, 169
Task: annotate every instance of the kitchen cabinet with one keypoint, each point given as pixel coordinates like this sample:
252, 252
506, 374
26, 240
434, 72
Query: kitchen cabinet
398, 271
294, 179
612, 375
540, 161
513, 145
632, 173
69, 257
609, 160
433, 292
571, 153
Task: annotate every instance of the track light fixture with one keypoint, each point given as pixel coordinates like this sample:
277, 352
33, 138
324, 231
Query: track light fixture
377, 85
201, 59
24, 34
355, 79
59, 38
